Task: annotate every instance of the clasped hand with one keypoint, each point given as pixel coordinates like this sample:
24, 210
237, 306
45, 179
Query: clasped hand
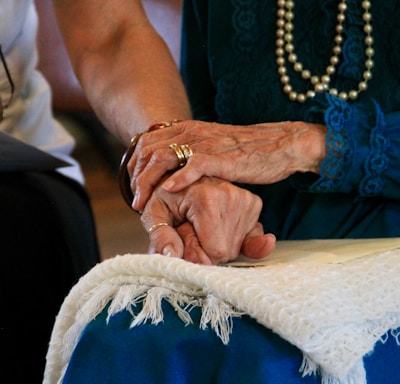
210, 222
210, 219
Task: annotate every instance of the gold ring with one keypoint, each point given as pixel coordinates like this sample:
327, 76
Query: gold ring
155, 226
179, 154
187, 152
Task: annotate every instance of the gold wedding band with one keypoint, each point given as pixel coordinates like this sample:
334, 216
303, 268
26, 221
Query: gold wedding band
187, 152
183, 153
155, 226
179, 154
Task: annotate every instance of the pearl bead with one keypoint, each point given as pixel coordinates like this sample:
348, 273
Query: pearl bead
289, 47
367, 16
281, 13
368, 28
310, 93
280, 32
314, 80
362, 86
341, 18
319, 88
334, 60
280, 61
369, 40
367, 75
369, 64
282, 70
288, 37
353, 94
289, 16
287, 88
325, 79
301, 97
339, 39
298, 67
337, 50
289, 27
369, 51
285, 79
330, 70
280, 23
366, 5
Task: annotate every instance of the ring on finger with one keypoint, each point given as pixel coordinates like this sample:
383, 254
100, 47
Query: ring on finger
187, 151
155, 226
179, 154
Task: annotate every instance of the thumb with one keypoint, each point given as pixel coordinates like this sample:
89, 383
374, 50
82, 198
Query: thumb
165, 240
258, 246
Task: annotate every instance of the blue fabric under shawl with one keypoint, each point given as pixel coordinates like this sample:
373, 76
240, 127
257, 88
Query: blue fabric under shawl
172, 353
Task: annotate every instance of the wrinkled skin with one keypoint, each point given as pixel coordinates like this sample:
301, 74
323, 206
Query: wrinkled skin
255, 154
209, 209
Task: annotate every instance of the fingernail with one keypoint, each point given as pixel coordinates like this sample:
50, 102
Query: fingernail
134, 202
272, 236
167, 251
169, 184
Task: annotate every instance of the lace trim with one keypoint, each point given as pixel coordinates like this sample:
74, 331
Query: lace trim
377, 161
339, 169
339, 146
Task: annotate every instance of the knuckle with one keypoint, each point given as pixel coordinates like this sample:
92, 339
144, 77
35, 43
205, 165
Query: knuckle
258, 203
219, 253
158, 157
144, 153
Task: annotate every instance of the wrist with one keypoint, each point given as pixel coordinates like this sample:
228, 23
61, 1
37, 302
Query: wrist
311, 148
124, 179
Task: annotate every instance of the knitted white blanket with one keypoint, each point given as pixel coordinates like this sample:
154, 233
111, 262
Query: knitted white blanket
334, 313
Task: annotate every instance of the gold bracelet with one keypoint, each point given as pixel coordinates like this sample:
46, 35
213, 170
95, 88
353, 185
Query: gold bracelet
123, 175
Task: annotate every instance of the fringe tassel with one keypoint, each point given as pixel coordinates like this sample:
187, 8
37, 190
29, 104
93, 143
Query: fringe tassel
219, 315
308, 367
216, 313
356, 375
183, 304
152, 307
396, 334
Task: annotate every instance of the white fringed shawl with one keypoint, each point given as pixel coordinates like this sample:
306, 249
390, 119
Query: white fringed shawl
334, 313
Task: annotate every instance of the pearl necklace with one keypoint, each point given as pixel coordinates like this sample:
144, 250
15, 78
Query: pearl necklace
285, 47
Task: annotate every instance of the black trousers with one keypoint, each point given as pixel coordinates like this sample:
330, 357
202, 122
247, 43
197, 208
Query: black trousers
47, 241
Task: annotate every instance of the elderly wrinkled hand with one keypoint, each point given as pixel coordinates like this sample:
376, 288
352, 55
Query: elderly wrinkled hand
210, 222
255, 154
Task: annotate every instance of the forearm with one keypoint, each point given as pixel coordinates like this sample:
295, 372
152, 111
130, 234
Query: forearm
124, 66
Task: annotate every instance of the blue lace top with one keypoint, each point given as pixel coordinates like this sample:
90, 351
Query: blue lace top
229, 67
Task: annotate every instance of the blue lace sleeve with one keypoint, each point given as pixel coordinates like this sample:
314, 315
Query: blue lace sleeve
363, 151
